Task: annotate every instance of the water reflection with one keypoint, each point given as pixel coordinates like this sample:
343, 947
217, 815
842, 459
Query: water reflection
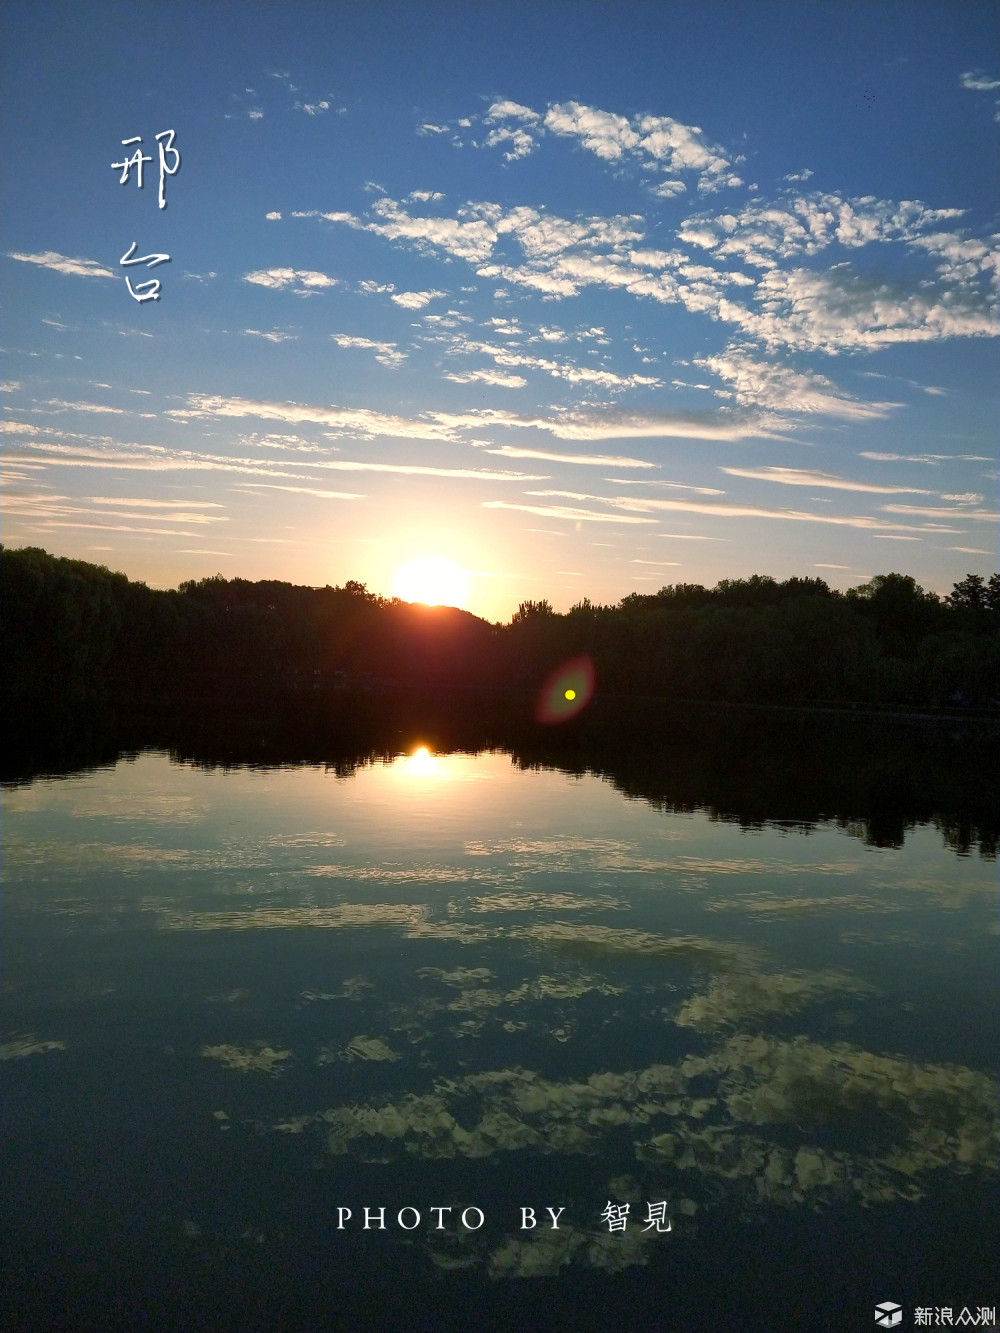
421, 764
469, 962
708, 1116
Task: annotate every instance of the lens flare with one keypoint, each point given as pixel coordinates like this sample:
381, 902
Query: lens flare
567, 691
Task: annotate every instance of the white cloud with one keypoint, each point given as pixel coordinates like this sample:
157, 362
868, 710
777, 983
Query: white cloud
141, 458
565, 274
51, 259
591, 460
961, 259
691, 537
765, 384
451, 319
58, 404
272, 217
736, 510
843, 309
658, 141
152, 504
617, 424
386, 353
303, 282
271, 335
417, 470
981, 515
543, 234
472, 241
932, 459
497, 377
115, 527
559, 256
8, 427
518, 143
787, 476
562, 511
540, 280
762, 233
840, 309
507, 110
162, 518
295, 443
298, 490
57, 507
359, 420
668, 485
619, 502
154, 458
507, 355
979, 82
416, 300
510, 328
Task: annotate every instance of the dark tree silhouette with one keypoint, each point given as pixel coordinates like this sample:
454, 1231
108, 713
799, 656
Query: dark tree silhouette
72, 626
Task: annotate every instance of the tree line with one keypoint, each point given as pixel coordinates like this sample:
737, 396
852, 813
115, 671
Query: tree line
69, 624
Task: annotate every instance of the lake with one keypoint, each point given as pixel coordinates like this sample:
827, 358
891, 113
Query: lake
747, 1066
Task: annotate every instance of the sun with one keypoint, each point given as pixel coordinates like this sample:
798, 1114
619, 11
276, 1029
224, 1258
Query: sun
431, 579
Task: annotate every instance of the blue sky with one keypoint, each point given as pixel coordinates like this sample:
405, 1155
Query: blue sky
583, 298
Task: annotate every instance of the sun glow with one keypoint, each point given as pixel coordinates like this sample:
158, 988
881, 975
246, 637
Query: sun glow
431, 579
420, 764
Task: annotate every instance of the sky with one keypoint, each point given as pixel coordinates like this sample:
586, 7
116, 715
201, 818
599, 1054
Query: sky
582, 299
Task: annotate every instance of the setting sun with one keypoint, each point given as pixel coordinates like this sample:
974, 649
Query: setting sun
431, 579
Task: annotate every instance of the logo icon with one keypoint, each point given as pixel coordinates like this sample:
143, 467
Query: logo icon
888, 1314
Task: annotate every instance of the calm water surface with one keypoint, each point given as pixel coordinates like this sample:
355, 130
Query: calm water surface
238, 1001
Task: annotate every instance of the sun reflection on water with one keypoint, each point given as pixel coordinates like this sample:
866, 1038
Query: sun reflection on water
421, 763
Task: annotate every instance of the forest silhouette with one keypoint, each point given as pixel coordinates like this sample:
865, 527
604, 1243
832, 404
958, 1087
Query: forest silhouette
74, 626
